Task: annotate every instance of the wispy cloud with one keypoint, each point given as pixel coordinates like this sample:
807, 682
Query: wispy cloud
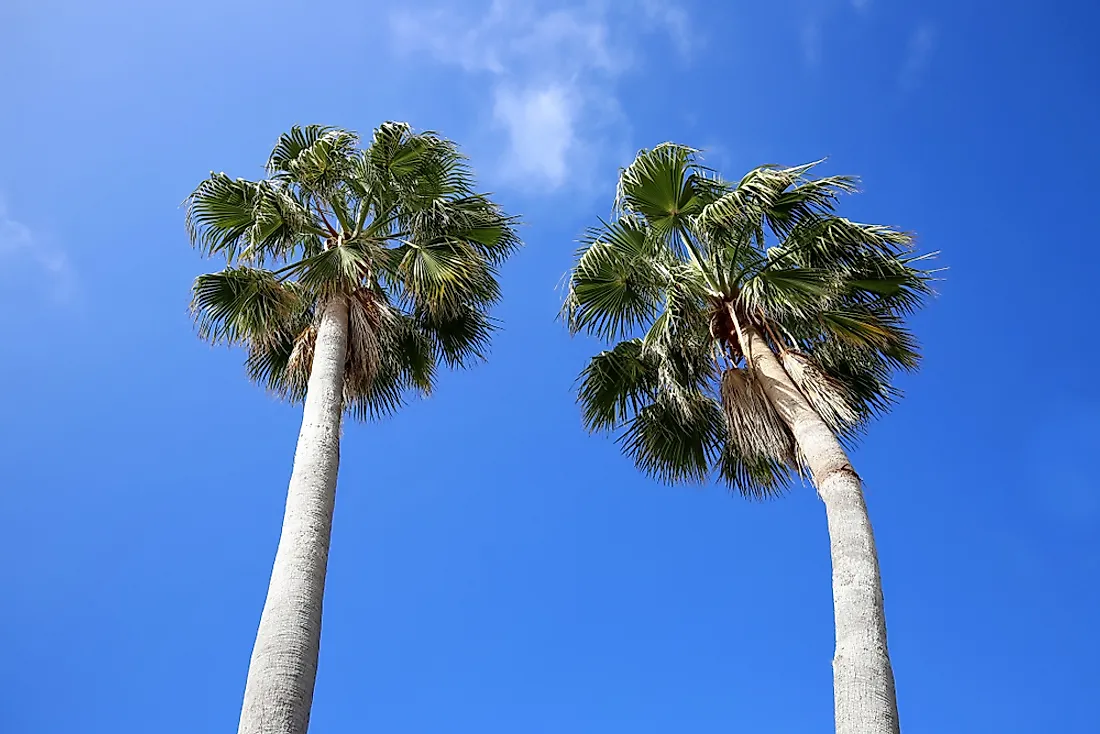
861, 4
918, 54
26, 256
551, 71
674, 20
811, 42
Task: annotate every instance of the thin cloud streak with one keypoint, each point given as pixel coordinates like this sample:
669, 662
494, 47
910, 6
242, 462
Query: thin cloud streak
25, 256
922, 44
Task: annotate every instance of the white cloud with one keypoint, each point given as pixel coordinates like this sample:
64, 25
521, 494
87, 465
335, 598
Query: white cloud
918, 55
551, 72
20, 247
542, 130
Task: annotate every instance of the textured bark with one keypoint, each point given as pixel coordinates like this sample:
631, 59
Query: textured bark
281, 675
863, 679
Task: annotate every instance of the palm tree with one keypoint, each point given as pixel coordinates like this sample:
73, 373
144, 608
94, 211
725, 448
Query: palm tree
351, 274
754, 335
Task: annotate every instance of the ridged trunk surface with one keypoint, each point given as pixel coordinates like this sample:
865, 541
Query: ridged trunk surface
863, 679
281, 675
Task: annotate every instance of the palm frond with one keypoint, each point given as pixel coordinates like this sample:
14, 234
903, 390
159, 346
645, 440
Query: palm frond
459, 338
617, 283
247, 220
865, 379
615, 385
336, 269
665, 186
782, 293
753, 477
780, 198
280, 360
292, 144
442, 276
673, 445
239, 304
836, 242
881, 332
319, 159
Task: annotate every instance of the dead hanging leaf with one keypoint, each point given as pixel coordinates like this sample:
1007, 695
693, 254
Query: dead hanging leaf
300, 361
364, 340
825, 394
755, 427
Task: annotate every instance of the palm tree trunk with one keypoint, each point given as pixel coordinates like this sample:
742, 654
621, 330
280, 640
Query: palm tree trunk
863, 679
281, 675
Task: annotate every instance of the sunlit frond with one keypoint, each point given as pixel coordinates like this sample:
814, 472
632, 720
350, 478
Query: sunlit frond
240, 304
615, 385
249, 220
881, 332
753, 477
318, 159
618, 282
334, 270
782, 293
458, 338
666, 186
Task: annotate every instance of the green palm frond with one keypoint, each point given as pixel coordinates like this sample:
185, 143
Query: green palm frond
333, 270
864, 377
292, 144
458, 338
835, 242
888, 283
783, 293
240, 304
444, 276
805, 200
881, 332
250, 220
757, 477
673, 445
615, 385
665, 186
317, 159
617, 283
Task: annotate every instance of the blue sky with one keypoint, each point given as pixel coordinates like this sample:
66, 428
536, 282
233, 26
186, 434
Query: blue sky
494, 569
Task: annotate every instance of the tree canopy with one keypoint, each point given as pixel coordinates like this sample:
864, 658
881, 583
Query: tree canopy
394, 226
687, 262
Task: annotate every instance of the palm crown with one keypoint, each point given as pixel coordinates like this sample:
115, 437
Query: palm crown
394, 227
686, 266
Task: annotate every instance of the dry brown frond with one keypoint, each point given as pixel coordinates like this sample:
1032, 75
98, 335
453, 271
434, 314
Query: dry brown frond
755, 427
364, 340
825, 395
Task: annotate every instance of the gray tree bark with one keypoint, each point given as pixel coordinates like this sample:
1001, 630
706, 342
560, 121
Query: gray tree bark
278, 694
863, 680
